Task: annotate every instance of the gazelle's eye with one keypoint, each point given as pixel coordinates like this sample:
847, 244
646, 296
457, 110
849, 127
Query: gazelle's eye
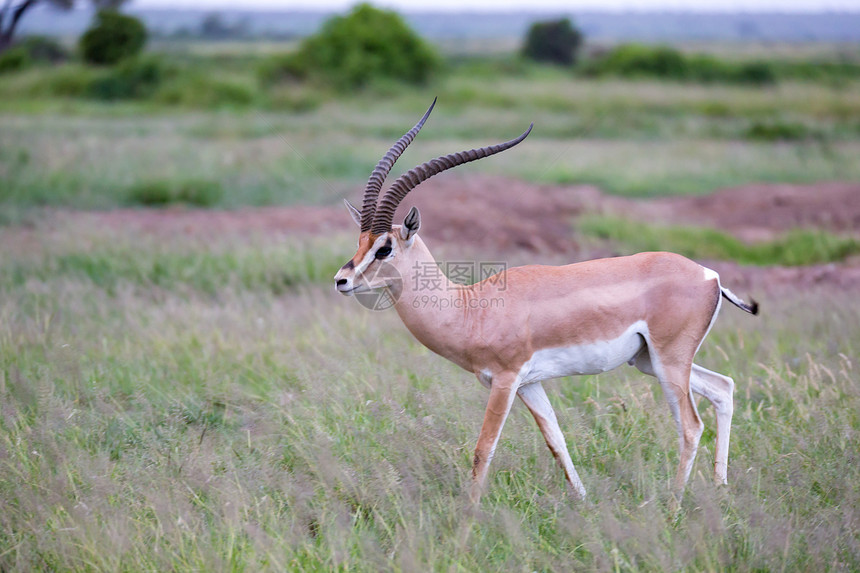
383, 252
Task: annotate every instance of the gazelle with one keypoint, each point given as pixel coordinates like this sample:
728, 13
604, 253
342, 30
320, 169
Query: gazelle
650, 310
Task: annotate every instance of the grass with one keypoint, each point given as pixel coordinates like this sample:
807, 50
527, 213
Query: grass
296, 143
157, 424
197, 266
181, 402
97, 162
796, 248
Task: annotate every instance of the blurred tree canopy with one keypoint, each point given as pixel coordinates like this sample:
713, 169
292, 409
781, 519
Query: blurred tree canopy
11, 13
112, 38
353, 50
215, 27
554, 41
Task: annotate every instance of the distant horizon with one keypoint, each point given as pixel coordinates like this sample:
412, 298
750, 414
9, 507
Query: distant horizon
638, 23
515, 6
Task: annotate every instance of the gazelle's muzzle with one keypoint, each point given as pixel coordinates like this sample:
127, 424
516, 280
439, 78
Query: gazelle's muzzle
343, 282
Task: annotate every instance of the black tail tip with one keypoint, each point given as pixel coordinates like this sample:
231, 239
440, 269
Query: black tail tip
753, 307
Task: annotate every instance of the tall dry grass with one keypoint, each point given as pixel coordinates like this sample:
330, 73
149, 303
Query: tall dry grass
168, 426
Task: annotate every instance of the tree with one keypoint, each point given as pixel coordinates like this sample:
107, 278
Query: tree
215, 27
12, 11
365, 45
555, 41
112, 38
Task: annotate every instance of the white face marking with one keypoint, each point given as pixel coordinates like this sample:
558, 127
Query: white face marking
599, 356
371, 255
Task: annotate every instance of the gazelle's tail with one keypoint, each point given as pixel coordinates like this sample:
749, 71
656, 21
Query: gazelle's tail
751, 308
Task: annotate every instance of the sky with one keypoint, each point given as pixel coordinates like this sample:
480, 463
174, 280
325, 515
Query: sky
532, 5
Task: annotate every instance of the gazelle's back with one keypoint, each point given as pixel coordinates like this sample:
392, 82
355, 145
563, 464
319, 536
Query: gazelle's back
598, 300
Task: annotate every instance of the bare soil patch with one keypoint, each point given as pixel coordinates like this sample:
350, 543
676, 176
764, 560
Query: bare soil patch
495, 215
758, 212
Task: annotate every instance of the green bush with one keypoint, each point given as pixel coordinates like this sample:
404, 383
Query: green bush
353, 51
664, 62
293, 98
43, 49
68, 80
633, 60
758, 73
197, 89
14, 60
160, 193
136, 78
282, 68
779, 131
555, 42
113, 37
706, 68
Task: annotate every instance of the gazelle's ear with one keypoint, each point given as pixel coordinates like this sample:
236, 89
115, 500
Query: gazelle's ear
355, 213
411, 224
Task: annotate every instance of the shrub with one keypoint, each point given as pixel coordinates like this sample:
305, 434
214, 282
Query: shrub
757, 73
779, 131
639, 60
555, 42
69, 80
197, 89
14, 60
132, 79
30, 50
43, 49
112, 38
197, 192
282, 68
293, 98
706, 68
664, 62
365, 45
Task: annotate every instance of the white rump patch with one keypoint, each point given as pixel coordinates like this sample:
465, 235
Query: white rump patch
594, 358
711, 274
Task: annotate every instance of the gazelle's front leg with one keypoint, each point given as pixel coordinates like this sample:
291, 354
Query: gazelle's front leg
503, 389
535, 398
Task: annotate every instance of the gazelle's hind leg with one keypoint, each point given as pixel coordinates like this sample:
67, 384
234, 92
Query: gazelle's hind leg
718, 389
535, 398
675, 380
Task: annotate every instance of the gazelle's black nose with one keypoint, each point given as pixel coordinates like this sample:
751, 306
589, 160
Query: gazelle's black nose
341, 282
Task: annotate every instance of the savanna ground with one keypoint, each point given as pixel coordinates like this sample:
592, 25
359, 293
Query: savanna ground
182, 388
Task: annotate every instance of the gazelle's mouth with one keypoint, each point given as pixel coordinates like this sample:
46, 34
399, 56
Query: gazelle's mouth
349, 291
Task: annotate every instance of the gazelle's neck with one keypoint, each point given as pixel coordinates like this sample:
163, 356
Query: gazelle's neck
434, 309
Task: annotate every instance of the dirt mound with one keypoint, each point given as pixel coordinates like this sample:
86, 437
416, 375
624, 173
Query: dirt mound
758, 212
500, 214
485, 215
506, 214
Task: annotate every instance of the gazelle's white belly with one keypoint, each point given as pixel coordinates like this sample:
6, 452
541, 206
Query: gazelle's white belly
593, 358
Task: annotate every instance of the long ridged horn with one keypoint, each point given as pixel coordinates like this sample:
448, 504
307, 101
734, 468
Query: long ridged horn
380, 172
409, 180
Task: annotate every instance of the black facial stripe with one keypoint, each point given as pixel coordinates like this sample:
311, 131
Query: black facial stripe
348, 266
